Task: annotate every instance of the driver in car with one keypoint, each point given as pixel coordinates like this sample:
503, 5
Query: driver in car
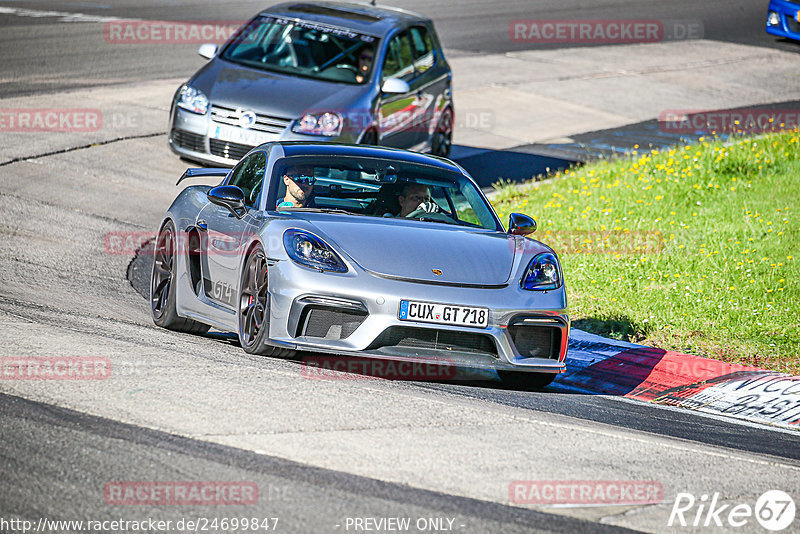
416, 197
365, 63
299, 181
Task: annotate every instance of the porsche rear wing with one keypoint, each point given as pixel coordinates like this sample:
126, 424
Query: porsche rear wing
197, 173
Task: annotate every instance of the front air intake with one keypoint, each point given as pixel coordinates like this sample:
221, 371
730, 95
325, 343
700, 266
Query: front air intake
330, 323
536, 341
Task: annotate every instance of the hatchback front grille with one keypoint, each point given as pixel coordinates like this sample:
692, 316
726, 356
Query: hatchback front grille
264, 123
189, 140
227, 149
534, 341
433, 339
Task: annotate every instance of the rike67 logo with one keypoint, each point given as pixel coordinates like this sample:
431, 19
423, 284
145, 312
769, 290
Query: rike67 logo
774, 510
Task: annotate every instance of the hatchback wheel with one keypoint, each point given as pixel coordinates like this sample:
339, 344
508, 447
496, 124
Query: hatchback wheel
370, 137
442, 139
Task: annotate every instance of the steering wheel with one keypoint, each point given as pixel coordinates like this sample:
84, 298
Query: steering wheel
286, 52
348, 67
292, 56
427, 215
254, 194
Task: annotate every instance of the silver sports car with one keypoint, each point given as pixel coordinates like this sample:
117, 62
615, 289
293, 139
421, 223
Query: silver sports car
361, 252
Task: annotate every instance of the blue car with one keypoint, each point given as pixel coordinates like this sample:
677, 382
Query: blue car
335, 72
783, 19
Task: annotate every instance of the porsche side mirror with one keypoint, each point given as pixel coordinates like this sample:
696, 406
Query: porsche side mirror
395, 86
229, 196
208, 50
519, 224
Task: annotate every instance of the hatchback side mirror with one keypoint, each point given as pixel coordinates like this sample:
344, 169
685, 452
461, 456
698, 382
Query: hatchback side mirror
229, 196
395, 86
208, 50
519, 224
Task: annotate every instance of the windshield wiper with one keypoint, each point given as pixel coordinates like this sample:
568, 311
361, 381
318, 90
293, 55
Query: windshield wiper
320, 210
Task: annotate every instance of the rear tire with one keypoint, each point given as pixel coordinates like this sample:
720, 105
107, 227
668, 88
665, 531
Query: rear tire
163, 287
253, 309
526, 381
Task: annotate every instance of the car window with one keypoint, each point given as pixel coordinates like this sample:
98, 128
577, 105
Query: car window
376, 187
303, 48
422, 48
399, 62
248, 176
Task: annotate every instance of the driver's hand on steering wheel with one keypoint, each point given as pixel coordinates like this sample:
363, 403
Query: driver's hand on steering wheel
428, 207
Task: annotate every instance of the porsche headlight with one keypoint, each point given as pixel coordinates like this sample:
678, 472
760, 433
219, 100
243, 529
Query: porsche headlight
542, 274
192, 100
307, 249
328, 124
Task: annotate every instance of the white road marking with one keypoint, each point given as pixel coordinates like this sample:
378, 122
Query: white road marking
709, 415
680, 444
60, 15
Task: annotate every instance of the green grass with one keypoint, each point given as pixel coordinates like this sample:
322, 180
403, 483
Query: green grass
694, 249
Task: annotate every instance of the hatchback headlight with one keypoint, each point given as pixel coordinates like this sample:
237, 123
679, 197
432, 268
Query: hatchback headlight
328, 124
307, 249
192, 100
543, 273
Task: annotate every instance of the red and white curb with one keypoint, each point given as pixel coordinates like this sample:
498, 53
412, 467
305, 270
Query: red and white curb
597, 365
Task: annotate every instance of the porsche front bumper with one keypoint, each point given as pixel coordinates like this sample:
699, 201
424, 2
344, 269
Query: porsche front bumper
356, 313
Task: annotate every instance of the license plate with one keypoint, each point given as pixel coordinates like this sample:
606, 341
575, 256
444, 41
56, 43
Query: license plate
242, 136
428, 312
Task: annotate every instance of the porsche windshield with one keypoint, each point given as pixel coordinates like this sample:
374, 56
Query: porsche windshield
379, 188
304, 49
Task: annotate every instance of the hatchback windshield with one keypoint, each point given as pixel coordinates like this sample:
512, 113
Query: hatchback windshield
379, 188
304, 49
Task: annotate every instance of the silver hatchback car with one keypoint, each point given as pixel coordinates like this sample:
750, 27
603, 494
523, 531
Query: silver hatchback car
344, 73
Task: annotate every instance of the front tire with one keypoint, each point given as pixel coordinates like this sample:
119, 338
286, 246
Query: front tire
163, 285
526, 381
254, 307
442, 140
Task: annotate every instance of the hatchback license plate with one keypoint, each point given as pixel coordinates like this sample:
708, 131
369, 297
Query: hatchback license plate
242, 136
428, 312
